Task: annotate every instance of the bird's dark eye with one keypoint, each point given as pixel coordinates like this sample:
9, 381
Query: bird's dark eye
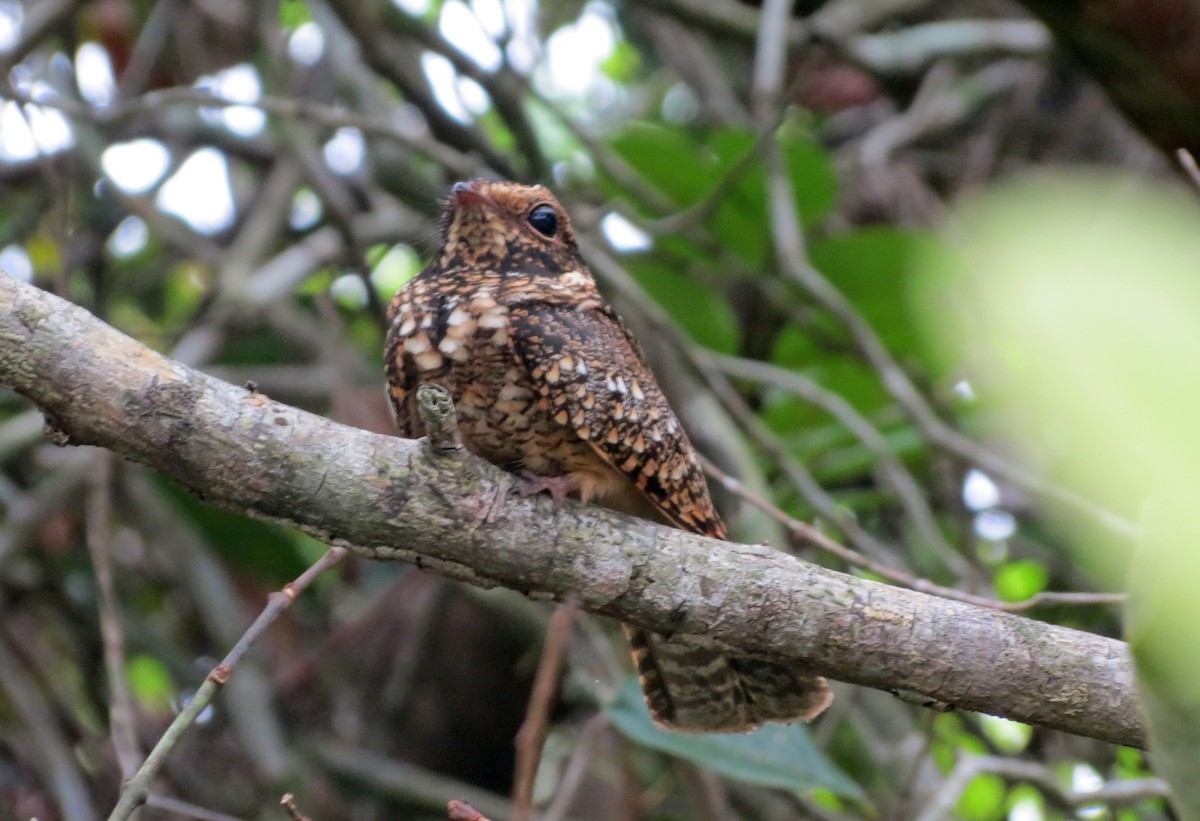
544, 220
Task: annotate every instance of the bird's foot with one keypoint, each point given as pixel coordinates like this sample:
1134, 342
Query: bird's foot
559, 487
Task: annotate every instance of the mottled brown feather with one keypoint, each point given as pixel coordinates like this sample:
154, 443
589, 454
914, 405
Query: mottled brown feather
585, 366
547, 382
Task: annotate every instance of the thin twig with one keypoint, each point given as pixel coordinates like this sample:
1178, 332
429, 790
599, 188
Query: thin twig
135, 791
690, 218
1189, 165
404, 782
292, 108
808, 533
98, 517
1114, 793
790, 247
174, 805
894, 472
770, 58
914, 47
797, 473
249, 698
288, 802
532, 735
572, 776
462, 811
44, 742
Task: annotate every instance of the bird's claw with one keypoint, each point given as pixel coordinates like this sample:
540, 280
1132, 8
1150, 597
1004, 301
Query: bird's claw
559, 487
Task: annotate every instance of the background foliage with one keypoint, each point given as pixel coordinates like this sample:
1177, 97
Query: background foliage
244, 185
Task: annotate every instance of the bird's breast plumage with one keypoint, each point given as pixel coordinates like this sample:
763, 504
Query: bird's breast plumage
455, 330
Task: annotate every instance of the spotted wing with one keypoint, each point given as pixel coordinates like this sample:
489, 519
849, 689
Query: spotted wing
597, 383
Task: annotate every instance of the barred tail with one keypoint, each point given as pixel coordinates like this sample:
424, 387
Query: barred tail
692, 686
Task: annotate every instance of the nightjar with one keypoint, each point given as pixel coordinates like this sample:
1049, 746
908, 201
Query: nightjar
549, 384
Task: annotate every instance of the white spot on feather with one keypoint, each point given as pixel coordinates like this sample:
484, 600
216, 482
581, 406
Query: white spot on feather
494, 317
416, 344
428, 360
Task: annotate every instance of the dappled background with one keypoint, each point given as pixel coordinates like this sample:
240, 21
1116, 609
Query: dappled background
243, 186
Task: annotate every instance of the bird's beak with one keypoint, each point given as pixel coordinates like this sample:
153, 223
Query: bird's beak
467, 193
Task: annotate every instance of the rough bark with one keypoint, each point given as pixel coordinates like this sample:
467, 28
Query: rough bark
391, 498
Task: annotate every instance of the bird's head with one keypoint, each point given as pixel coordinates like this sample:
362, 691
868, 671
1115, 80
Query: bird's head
507, 227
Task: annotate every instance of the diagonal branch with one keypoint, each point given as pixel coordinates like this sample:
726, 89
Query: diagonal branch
446, 511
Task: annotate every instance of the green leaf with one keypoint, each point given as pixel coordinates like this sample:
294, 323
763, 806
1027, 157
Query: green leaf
871, 267
293, 13
1017, 581
814, 180
183, 289
1025, 799
623, 64
265, 551
150, 683
1007, 736
983, 799
953, 739
394, 269
777, 755
669, 160
700, 310
700, 162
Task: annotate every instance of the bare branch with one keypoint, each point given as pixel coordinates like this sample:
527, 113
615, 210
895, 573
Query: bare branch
98, 516
137, 789
389, 498
1115, 793
532, 737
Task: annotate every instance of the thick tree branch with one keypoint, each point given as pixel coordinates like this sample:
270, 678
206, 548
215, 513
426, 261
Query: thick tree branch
447, 512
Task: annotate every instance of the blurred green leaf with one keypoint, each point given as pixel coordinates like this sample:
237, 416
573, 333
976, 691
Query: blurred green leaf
1005, 735
1026, 799
871, 267
699, 164
951, 739
150, 682
623, 64
394, 268
1016, 581
43, 253
1079, 295
292, 13
1130, 763
264, 551
685, 179
496, 129
184, 287
258, 346
983, 799
700, 310
781, 756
